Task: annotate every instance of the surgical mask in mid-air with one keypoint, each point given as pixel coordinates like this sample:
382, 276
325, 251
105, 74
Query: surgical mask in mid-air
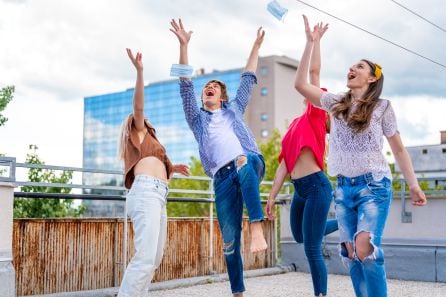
276, 10
181, 70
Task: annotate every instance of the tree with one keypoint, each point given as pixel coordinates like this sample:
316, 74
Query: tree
270, 151
6, 95
45, 208
189, 209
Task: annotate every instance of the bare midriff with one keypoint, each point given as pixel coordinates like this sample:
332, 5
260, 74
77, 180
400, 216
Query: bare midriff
305, 165
151, 166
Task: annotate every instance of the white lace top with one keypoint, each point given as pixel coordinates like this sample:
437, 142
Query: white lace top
352, 154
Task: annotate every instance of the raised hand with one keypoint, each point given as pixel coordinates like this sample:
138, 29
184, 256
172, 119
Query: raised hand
136, 61
311, 35
320, 29
260, 37
178, 29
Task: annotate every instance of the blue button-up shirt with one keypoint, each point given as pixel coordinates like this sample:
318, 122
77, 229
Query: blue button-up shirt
199, 118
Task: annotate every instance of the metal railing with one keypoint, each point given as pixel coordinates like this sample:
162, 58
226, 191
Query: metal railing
205, 195
9, 165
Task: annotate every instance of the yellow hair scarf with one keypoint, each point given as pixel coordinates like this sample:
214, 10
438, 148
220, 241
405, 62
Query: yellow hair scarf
378, 71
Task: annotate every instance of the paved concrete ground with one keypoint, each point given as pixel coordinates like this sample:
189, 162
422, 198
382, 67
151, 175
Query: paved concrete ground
269, 282
299, 284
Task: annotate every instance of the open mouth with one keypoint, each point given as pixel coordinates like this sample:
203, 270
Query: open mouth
210, 92
351, 76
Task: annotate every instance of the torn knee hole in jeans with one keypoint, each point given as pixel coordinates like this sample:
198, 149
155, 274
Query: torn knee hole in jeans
374, 253
228, 247
241, 161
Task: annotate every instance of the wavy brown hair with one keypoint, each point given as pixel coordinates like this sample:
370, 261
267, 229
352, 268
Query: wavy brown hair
360, 118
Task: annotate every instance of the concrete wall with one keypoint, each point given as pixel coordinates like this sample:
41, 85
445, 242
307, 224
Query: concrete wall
282, 102
7, 273
289, 104
413, 251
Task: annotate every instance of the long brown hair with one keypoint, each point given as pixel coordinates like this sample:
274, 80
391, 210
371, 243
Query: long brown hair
360, 118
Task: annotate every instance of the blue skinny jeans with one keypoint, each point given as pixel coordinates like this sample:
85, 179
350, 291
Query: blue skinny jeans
309, 224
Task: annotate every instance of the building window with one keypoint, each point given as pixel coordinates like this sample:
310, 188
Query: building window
264, 133
444, 151
424, 151
264, 117
264, 71
264, 91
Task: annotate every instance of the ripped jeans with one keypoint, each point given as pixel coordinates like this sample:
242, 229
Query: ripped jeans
362, 205
233, 187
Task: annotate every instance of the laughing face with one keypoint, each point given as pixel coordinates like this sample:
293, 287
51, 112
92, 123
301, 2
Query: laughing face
360, 75
213, 95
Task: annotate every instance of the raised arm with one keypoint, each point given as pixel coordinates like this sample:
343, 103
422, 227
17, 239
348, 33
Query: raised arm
402, 158
187, 93
138, 95
184, 38
253, 58
301, 84
248, 80
315, 60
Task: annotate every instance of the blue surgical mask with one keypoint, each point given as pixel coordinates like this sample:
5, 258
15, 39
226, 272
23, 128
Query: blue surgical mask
276, 10
181, 70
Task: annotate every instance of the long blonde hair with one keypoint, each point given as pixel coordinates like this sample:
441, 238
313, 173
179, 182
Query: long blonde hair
123, 137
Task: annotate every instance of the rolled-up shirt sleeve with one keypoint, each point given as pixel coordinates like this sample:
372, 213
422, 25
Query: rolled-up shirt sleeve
190, 106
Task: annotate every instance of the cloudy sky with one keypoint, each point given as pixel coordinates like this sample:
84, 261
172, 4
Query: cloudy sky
58, 52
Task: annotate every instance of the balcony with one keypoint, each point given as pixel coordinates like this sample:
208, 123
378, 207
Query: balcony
85, 257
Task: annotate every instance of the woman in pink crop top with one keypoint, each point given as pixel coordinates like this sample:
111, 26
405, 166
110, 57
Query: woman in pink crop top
147, 171
302, 157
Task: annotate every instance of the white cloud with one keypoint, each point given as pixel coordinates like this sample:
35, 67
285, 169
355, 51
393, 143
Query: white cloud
420, 119
53, 125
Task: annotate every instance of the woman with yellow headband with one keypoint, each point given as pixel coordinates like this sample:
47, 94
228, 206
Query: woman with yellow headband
359, 122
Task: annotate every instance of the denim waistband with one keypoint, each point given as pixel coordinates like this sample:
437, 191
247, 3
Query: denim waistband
148, 178
226, 169
304, 180
357, 180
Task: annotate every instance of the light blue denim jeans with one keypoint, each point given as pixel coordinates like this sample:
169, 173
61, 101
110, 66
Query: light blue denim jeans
233, 187
146, 206
362, 205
